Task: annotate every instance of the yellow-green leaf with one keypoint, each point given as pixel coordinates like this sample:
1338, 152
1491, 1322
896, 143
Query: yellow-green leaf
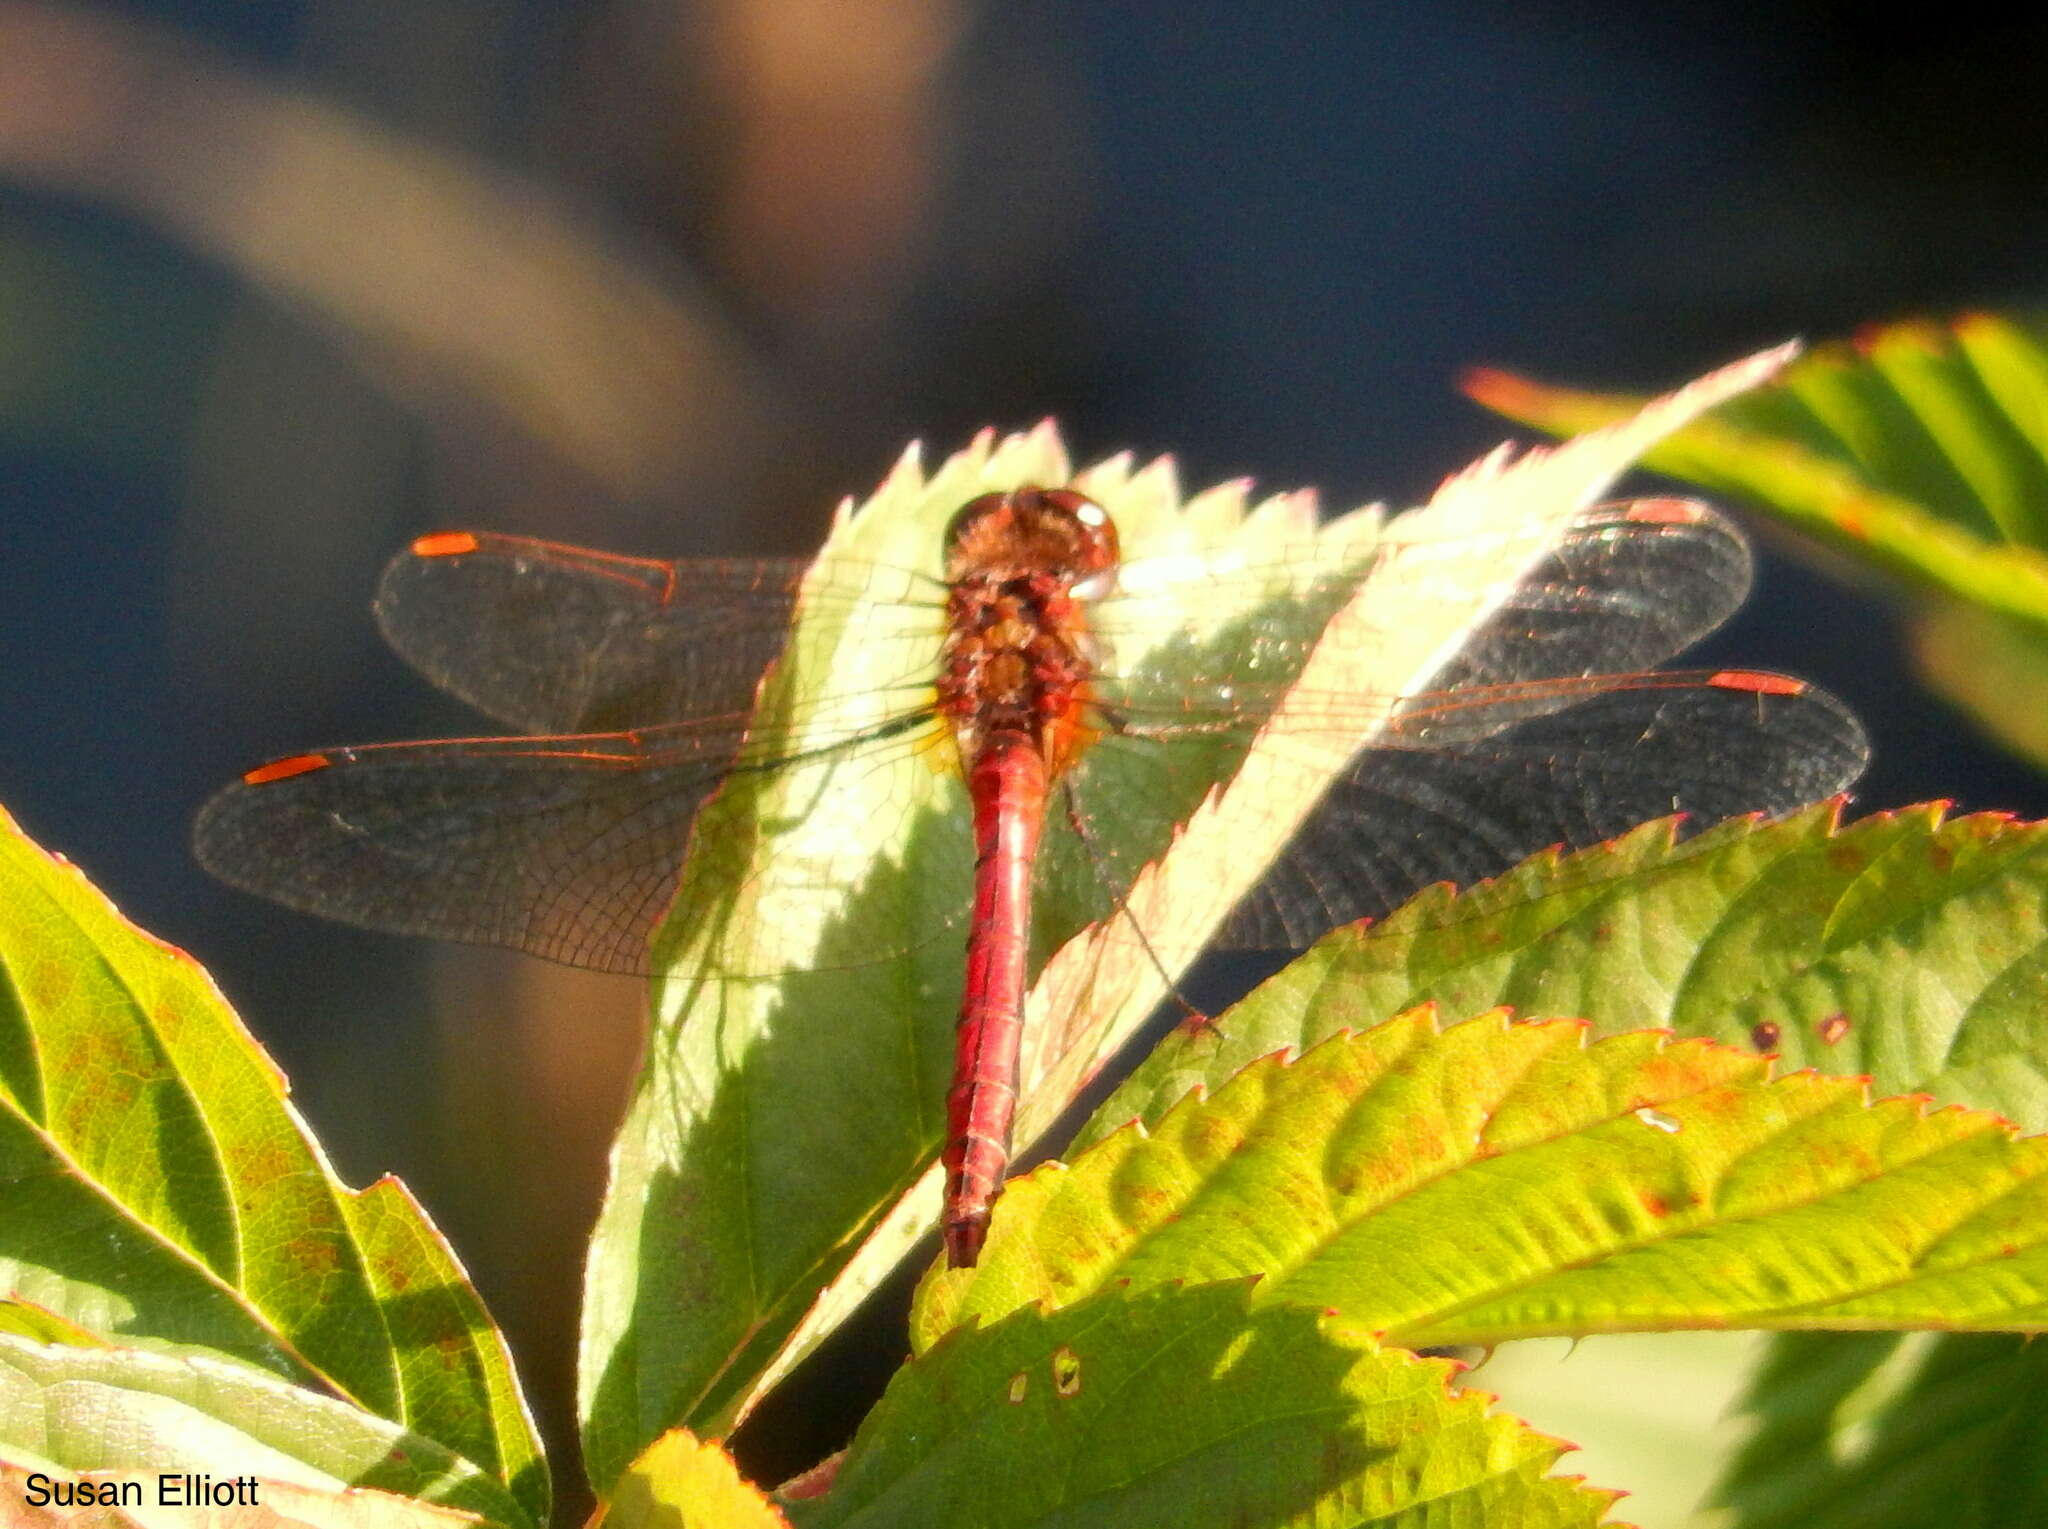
1191, 1407
1905, 946
163, 1195
1502, 1180
681, 1479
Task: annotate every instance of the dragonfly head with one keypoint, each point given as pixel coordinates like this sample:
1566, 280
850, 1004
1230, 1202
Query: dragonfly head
1052, 530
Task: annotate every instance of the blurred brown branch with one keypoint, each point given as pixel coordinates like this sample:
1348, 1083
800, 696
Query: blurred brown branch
454, 272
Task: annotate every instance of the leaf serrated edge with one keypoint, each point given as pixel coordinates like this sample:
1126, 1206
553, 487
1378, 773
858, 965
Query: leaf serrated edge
501, 1388
1755, 1077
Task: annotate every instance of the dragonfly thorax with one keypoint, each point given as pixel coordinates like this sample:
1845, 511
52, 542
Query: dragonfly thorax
1018, 655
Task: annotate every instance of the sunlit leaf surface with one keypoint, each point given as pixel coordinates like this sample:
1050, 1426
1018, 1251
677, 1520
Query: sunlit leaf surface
1903, 946
1189, 1407
684, 1480
162, 1195
1921, 451
1503, 1179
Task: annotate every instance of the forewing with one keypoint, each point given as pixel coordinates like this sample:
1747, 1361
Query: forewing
1628, 587
559, 639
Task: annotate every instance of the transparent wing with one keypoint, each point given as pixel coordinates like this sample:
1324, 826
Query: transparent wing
1626, 587
1469, 798
568, 848
558, 639
1543, 730
1546, 728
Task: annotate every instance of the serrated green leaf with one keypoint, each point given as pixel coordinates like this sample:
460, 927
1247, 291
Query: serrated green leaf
1903, 946
1652, 1411
162, 1193
681, 1479
765, 1146
1920, 451
1502, 1180
130, 1410
778, 1157
1187, 1407
1920, 946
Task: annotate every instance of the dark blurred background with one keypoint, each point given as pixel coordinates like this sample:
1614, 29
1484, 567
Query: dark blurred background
283, 285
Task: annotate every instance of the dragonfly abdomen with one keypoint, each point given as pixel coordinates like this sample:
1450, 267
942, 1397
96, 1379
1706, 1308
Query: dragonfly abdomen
1008, 782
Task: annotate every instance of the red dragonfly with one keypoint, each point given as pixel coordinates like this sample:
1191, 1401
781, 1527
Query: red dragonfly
1042, 659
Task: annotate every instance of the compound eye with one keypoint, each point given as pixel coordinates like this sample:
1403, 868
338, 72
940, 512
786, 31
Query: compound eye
1095, 543
1055, 529
1089, 513
968, 518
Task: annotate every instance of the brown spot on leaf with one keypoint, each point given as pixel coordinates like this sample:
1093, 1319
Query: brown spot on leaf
1066, 1372
258, 1164
48, 983
1765, 1036
1832, 1029
313, 1256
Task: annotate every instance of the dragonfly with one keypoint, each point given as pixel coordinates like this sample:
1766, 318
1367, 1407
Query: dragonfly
1038, 667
